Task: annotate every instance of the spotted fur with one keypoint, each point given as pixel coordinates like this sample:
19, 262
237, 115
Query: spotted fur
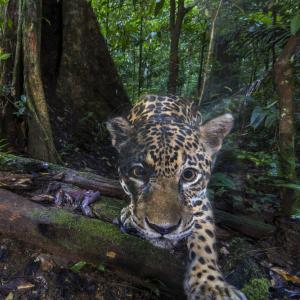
165, 165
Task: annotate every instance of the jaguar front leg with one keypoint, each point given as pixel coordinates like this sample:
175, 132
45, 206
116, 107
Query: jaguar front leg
204, 280
125, 219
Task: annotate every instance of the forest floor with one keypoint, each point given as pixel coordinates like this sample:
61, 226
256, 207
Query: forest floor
27, 272
30, 273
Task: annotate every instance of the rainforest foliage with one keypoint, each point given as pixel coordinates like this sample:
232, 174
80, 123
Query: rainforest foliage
249, 37
225, 50
238, 56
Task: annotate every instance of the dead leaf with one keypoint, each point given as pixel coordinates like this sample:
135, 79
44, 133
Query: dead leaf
46, 262
25, 286
10, 296
43, 198
59, 176
111, 254
286, 276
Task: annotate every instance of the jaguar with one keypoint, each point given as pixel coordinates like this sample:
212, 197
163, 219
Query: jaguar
166, 154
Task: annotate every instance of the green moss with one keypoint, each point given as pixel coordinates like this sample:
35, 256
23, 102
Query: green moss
86, 230
5, 157
77, 233
108, 208
257, 289
85, 227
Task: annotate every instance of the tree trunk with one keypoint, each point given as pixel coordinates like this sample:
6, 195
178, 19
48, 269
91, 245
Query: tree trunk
141, 42
225, 81
207, 68
201, 62
175, 23
40, 138
284, 80
274, 17
60, 63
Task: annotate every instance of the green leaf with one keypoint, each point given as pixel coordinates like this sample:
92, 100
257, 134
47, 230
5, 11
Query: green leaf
295, 24
78, 266
257, 116
101, 268
4, 56
296, 214
222, 180
292, 186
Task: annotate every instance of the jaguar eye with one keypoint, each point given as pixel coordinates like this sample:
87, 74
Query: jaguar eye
189, 175
138, 171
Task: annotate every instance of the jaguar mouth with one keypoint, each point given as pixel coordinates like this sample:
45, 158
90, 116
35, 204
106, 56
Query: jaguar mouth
160, 240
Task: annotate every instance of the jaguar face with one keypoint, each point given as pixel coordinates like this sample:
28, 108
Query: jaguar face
165, 169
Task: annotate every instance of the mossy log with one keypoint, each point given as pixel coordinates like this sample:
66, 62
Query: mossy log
64, 233
109, 187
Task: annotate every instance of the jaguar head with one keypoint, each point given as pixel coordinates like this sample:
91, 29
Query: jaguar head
165, 169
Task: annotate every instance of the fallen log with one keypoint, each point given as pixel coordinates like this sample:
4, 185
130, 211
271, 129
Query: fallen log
86, 180
112, 188
63, 233
245, 225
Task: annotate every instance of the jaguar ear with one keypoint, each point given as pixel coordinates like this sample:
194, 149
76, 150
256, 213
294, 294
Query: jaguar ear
214, 131
120, 131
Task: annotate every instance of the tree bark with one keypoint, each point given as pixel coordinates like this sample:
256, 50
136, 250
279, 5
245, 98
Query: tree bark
141, 42
201, 62
88, 79
63, 233
284, 80
60, 62
40, 137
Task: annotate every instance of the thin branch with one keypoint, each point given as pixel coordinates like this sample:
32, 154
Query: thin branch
209, 52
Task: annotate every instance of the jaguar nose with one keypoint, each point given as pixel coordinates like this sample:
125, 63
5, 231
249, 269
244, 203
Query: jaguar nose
163, 229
